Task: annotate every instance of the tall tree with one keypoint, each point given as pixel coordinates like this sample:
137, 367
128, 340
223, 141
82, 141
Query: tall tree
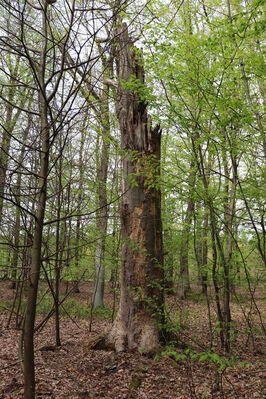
184, 246
102, 169
140, 317
32, 289
43, 53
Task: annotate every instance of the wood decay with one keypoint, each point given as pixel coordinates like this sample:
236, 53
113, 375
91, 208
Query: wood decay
110, 82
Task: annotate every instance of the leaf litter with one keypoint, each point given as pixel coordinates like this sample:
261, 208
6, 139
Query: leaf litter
74, 371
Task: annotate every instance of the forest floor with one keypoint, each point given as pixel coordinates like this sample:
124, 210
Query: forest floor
73, 371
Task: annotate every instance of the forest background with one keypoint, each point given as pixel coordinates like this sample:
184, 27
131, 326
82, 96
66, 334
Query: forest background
61, 179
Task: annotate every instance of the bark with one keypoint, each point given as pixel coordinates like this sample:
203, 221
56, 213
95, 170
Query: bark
184, 248
58, 253
140, 317
102, 214
33, 279
16, 238
204, 271
184, 272
18, 201
253, 108
229, 218
168, 264
7, 129
5, 146
201, 248
216, 242
101, 225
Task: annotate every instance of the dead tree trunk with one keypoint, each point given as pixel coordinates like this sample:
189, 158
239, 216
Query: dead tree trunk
140, 317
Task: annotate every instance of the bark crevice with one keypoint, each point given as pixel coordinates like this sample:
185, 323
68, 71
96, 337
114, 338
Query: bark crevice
140, 315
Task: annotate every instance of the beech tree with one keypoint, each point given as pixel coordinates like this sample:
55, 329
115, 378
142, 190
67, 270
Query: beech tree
56, 159
140, 318
209, 86
42, 50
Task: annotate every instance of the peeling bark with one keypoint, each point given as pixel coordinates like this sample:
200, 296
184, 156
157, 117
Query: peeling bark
140, 317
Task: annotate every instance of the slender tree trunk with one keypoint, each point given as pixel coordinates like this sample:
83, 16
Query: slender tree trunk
184, 248
228, 222
102, 214
58, 254
7, 129
5, 145
201, 249
80, 198
216, 242
204, 271
33, 278
16, 239
169, 264
116, 231
141, 314
18, 201
198, 239
250, 102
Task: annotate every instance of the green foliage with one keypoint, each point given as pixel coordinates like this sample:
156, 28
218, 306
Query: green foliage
134, 385
220, 362
5, 306
137, 87
71, 307
103, 313
146, 169
44, 304
178, 321
205, 87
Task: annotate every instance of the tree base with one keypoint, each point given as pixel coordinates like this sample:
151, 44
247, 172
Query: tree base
145, 340
110, 342
143, 337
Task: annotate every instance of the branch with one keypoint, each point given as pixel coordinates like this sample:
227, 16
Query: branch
110, 82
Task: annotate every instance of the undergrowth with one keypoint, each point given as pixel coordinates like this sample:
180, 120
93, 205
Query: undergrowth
69, 308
